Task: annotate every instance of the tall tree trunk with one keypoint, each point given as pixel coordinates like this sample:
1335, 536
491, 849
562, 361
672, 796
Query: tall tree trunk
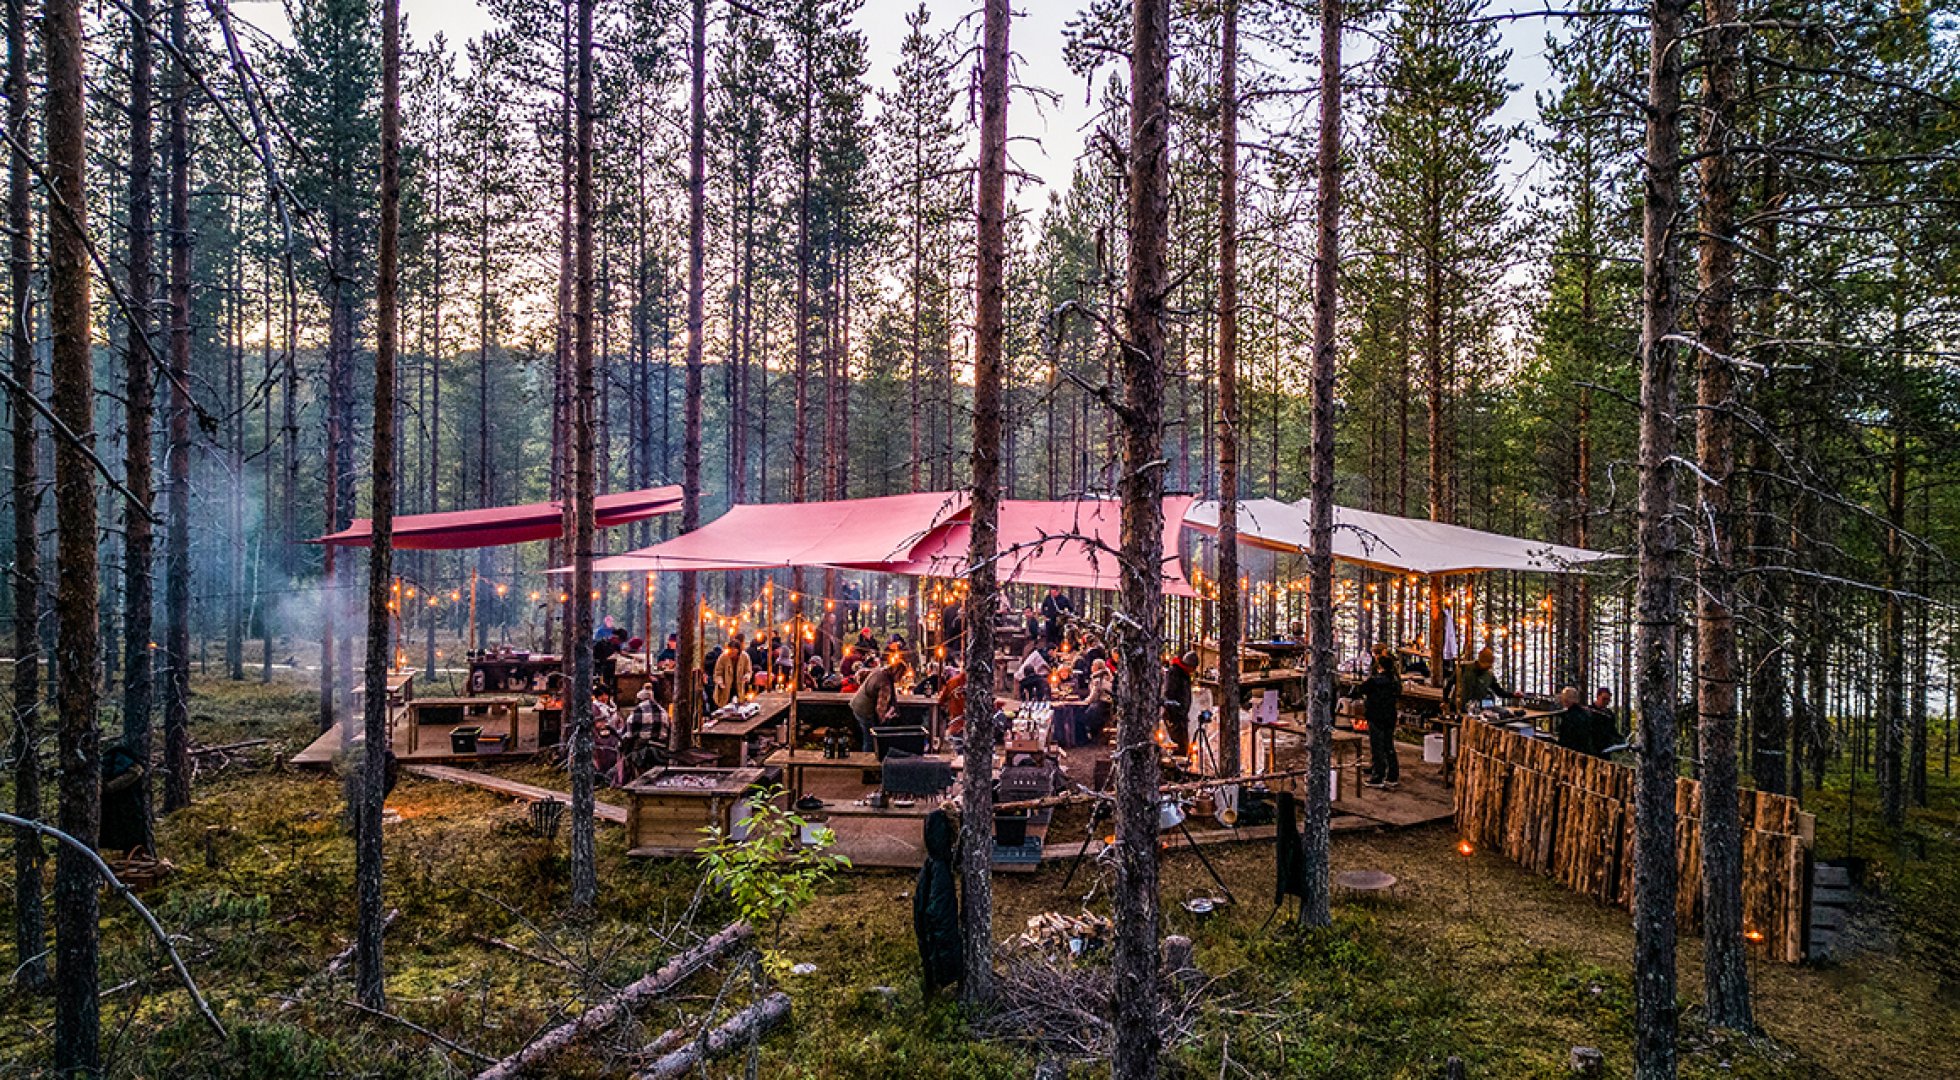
435, 357
1657, 647
77, 653
30, 927
1724, 963
989, 301
585, 871
380, 590
563, 416
139, 391
1230, 621
687, 696
177, 563
1138, 1027
1892, 635
1314, 905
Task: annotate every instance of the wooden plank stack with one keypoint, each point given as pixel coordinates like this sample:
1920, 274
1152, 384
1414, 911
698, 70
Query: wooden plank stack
1569, 816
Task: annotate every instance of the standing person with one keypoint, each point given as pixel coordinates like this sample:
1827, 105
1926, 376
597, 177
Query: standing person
733, 671
952, 629
1177, 701
1380, 693
669, 653
1056, 610
1477, 680
876, 701
1031, 678
952, 700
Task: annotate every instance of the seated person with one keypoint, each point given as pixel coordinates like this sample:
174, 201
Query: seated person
1031, 678
671, 652
1101, 698
929, 682
1415, 665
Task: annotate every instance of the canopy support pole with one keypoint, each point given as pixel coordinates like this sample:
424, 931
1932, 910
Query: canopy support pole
1433, 585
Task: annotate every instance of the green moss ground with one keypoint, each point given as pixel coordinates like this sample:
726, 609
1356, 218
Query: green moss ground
1475, 958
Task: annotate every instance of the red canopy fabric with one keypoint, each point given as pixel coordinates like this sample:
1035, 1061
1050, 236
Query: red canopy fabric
1070, 543
848, 533
459, 529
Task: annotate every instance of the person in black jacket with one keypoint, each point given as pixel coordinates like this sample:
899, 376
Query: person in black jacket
1587, 730
1177, 701
936, 909
1380, 693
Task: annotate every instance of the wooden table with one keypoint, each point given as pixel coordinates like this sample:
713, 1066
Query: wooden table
795, 764
730, 738
401, 688
450, 712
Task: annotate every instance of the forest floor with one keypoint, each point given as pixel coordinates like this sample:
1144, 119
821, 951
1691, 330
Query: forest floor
1475, 958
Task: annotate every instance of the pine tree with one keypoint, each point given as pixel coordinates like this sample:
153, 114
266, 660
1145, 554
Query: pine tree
77, 659
1431, 152
1138, 1035
30, 932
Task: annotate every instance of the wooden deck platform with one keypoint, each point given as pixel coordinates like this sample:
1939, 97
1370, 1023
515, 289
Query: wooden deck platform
431, 746
516, 789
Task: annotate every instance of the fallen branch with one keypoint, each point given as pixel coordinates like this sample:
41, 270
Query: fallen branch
753, 1022
419, 1030
345, 956
500, 943
116, 886
664, 1045
199, 751
608, 1012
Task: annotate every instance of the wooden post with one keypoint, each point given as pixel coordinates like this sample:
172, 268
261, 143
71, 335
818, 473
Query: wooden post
472, 635
1433, 584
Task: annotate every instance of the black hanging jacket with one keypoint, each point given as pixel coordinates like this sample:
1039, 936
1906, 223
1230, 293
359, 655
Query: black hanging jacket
936, 908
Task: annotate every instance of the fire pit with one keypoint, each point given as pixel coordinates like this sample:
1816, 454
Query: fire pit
669, 807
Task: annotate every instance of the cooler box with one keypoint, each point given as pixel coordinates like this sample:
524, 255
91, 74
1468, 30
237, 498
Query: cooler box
907, 737
462, 740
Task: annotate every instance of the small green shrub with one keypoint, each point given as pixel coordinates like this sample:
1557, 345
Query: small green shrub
770, 872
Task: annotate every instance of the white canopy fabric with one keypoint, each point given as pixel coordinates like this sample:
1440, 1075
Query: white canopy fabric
1387, 542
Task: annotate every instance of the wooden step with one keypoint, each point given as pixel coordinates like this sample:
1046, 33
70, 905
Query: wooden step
1831, 896
1827, 918
1836, 877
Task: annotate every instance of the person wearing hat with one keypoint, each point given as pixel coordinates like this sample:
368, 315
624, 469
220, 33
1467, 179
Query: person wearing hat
1177, 700
1476, 680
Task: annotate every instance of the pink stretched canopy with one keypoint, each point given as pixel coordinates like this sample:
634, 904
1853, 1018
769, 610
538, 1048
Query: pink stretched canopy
862, 534
459, 529
1070, 543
